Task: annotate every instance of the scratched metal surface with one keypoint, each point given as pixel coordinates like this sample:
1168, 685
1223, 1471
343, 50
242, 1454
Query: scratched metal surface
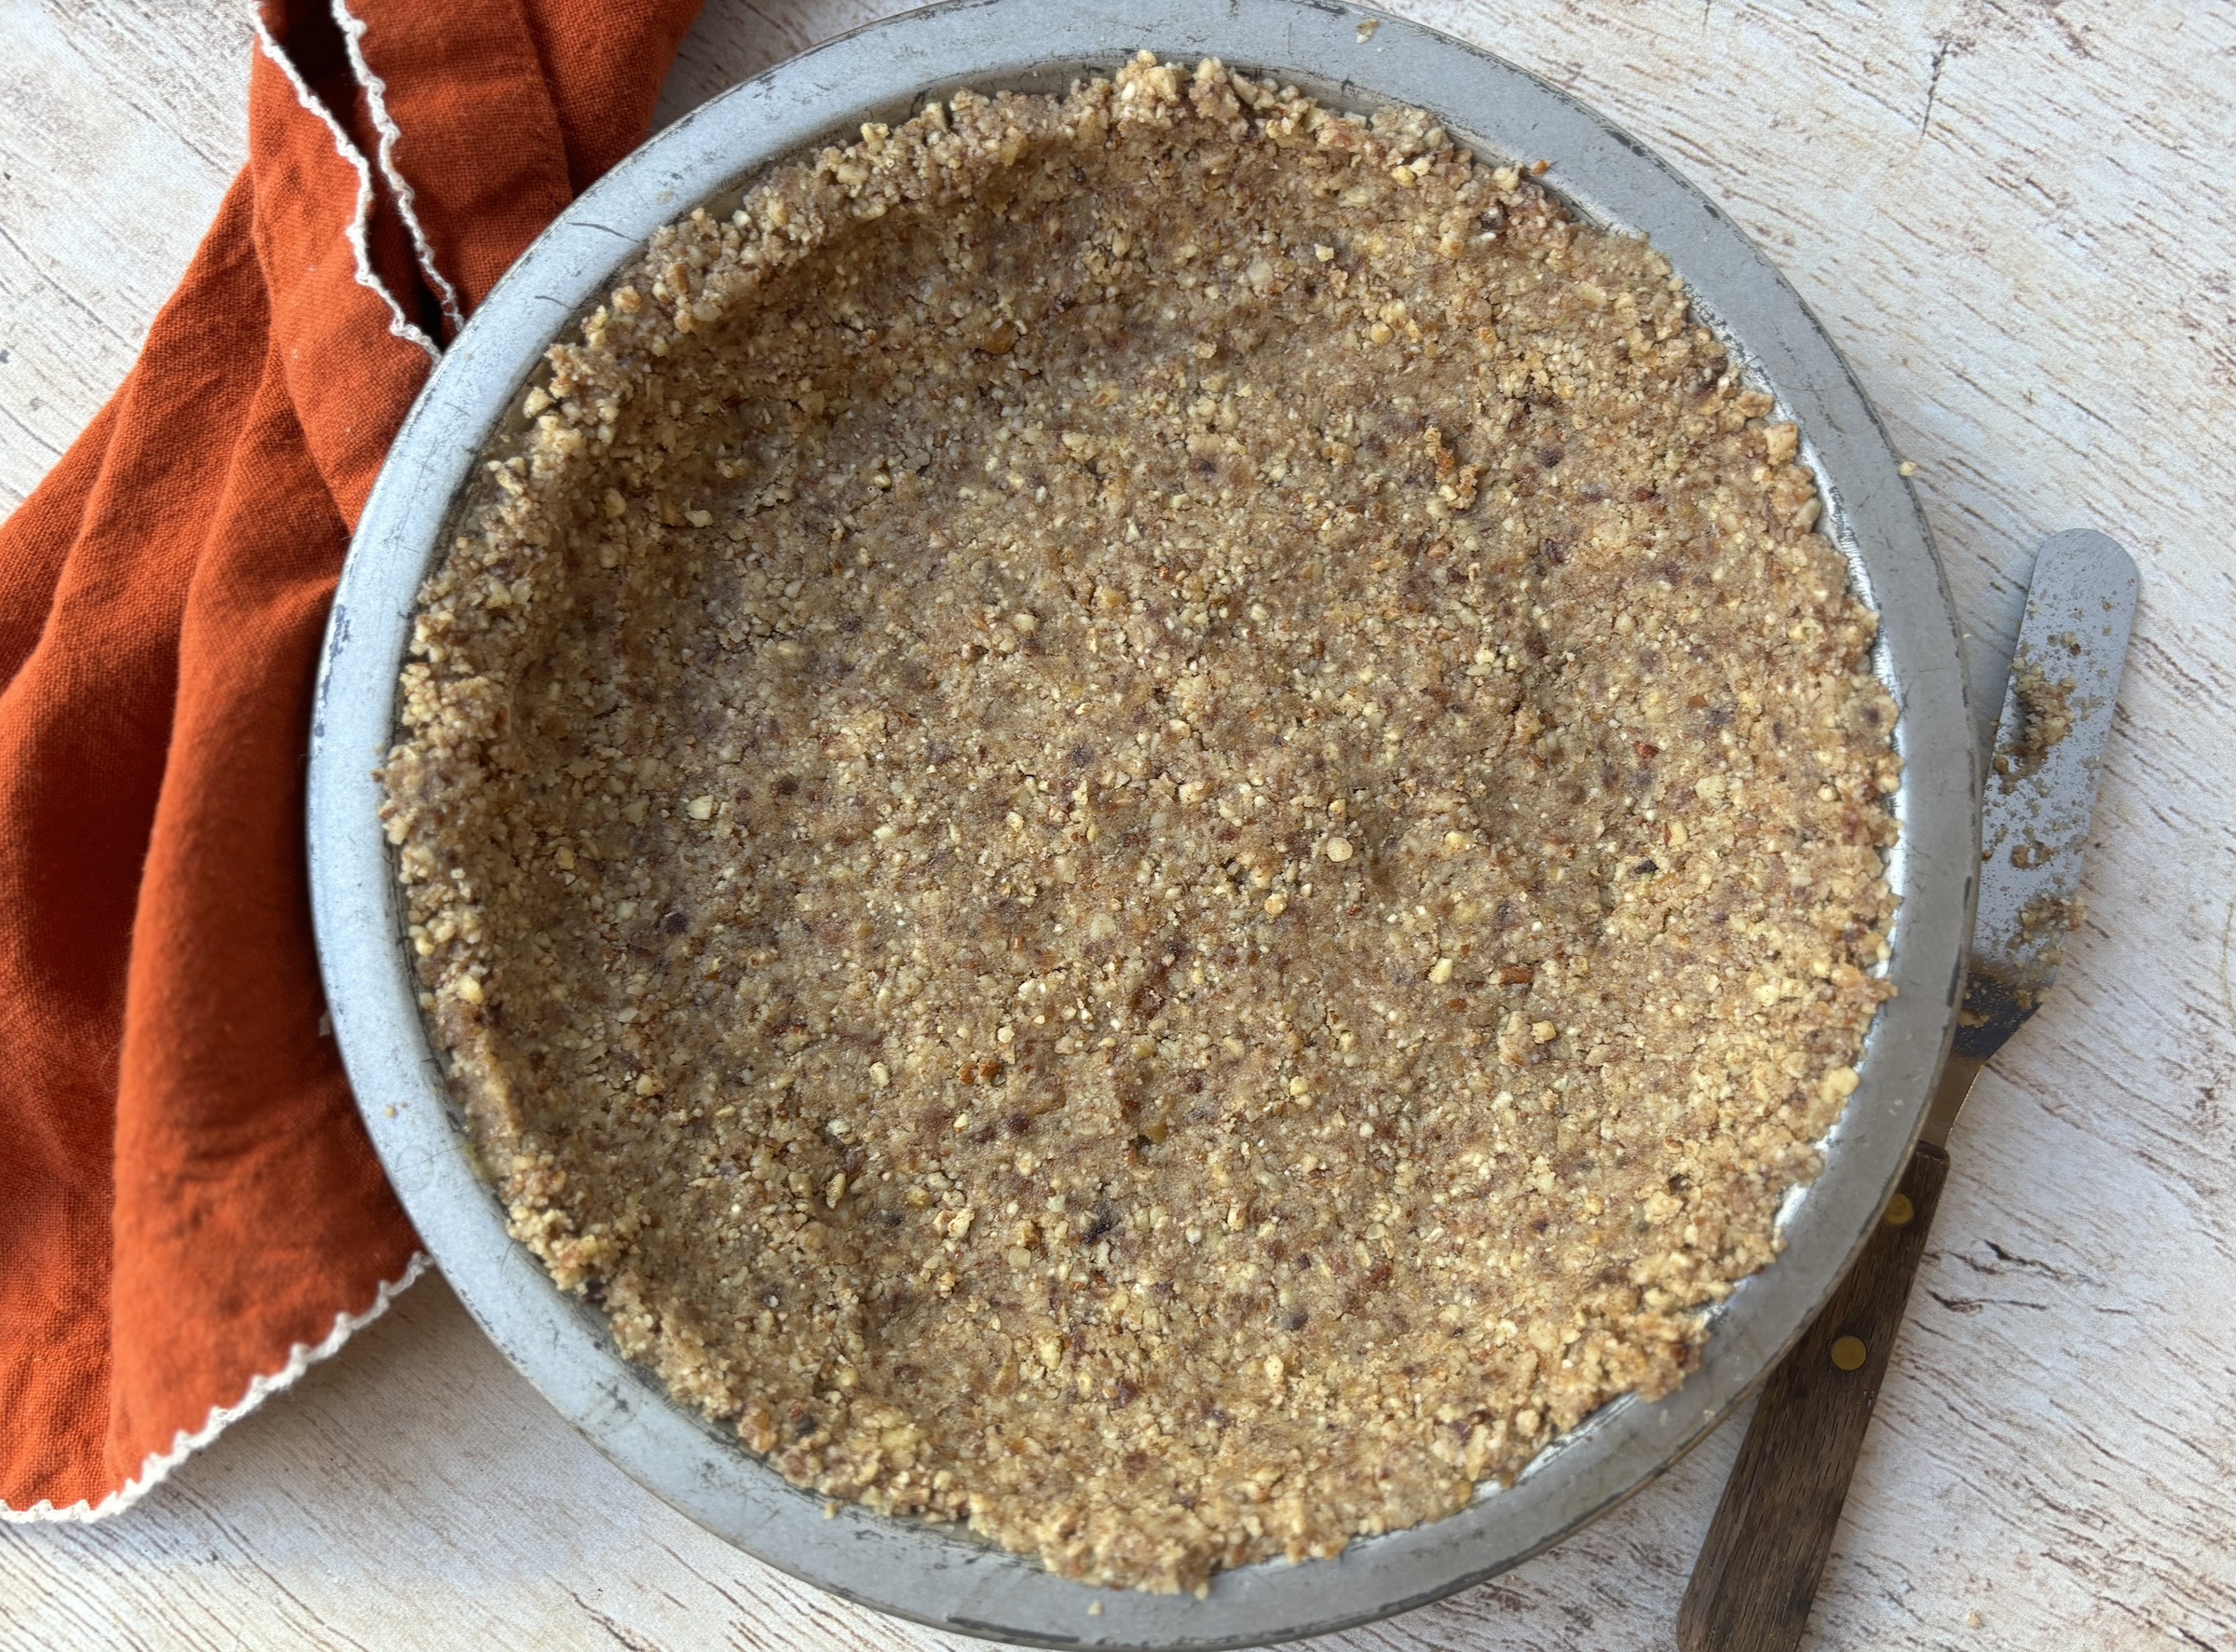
2041, 781
2012, 219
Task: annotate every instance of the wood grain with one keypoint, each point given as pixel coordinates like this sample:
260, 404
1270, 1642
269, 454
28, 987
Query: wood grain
120, 128
1773, 1530
2016, 219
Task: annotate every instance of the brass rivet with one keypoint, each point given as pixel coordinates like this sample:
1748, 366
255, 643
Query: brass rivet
1849, 1353
1899, 1210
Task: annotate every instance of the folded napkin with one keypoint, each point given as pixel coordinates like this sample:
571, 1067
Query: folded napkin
189, 1210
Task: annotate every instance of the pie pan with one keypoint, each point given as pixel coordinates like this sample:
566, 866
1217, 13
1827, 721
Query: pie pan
1348, 57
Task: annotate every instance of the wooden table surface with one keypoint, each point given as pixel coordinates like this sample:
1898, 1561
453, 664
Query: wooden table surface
2015, 217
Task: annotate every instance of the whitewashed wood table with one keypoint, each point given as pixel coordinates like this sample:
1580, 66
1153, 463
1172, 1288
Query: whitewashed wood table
2015, 216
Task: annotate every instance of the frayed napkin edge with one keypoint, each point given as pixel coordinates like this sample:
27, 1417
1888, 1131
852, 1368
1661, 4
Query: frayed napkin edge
153, 1472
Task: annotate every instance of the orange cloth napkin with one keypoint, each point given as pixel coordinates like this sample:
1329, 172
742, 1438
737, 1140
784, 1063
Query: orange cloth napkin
189, 1209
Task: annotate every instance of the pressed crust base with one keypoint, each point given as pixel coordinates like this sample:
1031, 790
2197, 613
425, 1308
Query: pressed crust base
1147, 818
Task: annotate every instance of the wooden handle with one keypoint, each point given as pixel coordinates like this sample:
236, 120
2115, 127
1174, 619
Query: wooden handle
1758, 1571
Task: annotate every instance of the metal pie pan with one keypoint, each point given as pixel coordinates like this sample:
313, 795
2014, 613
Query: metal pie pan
938, 1575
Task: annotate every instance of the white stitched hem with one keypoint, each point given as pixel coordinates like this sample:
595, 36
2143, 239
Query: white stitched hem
407, 208
300, 1359
400, 324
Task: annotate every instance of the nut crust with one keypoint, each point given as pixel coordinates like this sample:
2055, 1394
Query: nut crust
1147, 819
